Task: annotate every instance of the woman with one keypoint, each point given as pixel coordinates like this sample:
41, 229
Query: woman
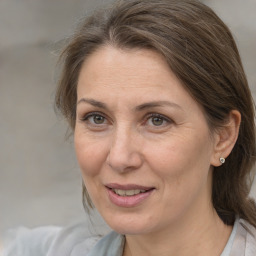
163, 122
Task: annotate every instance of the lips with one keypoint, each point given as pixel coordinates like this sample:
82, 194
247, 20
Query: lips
127, 186
129, 195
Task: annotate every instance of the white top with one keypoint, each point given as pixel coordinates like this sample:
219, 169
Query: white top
78, 240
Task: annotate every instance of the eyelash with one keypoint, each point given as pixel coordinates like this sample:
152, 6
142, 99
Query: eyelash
92, 114
164, 118
146, 119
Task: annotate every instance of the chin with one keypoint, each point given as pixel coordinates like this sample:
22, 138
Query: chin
128, 225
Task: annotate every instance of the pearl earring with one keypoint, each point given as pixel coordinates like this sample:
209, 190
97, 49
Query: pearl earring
222, 160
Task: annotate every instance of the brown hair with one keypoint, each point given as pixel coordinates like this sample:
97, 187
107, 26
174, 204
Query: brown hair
201, 51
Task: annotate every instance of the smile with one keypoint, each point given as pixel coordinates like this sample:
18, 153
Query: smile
128, 195
132, 192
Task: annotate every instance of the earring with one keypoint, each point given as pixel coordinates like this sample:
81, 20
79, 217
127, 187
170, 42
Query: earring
222, 160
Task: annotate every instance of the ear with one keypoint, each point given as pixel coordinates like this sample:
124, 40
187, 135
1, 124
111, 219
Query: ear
225, 138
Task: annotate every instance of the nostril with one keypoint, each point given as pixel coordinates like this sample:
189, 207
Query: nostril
124, 162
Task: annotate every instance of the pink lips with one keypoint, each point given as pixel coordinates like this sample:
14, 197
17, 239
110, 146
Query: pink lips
128, 201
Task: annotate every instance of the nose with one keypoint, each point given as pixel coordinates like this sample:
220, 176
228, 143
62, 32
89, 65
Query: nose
124, 152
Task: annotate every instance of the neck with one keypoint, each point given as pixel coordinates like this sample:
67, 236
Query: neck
204, 235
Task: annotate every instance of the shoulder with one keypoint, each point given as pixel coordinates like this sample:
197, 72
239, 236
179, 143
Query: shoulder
24, 241
250, 244
76, 240
246, 238
50, 241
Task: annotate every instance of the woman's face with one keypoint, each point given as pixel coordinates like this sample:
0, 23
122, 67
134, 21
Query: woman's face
142, 142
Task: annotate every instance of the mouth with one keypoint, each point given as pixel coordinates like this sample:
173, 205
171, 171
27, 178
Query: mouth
128, 195
130, 192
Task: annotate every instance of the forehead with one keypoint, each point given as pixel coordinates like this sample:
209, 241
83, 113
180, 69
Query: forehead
128, 78
119, 68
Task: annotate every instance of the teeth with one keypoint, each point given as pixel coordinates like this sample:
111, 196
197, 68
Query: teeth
132, 192
120, 192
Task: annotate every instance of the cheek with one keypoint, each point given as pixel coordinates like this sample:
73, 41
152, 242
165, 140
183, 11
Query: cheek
183, 169
181, 158
90, 155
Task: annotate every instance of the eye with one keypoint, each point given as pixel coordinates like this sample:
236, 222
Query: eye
94, 119
157, 120
97, 119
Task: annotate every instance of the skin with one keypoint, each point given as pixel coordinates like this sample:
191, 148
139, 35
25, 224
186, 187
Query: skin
118, 141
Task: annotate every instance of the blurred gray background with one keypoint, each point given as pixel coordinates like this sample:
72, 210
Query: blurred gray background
40, 183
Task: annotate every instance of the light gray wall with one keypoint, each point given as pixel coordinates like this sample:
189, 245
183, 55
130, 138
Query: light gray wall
40, 182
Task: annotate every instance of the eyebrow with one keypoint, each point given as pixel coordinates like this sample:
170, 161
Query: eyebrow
155, 104
147, 105
93, 102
